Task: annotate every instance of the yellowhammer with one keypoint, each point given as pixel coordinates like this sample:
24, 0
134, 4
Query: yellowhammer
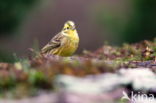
64, 43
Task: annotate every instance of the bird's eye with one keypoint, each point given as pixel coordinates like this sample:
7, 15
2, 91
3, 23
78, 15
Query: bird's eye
67, 27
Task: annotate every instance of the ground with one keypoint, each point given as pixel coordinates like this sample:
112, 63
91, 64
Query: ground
39, 73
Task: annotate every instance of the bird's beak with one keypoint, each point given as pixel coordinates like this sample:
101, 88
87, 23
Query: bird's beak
73, 28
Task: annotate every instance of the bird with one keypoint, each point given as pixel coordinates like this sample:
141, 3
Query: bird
65, 43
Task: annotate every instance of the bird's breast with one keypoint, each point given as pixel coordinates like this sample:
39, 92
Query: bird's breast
70, 46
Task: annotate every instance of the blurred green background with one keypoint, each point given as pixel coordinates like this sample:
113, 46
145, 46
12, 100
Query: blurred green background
22, 22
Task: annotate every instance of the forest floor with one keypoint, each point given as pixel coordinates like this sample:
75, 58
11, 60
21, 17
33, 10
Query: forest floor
39, 74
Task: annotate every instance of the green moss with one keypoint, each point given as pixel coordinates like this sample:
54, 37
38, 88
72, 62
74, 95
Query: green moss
39, 72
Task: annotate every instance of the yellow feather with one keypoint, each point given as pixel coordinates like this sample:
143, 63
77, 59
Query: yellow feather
66, 43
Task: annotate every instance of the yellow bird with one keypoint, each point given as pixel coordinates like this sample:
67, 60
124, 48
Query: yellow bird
64, 43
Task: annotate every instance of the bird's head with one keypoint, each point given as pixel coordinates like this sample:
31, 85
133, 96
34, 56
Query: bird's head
69, 26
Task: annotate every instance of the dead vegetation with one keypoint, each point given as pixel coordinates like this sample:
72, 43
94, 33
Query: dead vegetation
38, 73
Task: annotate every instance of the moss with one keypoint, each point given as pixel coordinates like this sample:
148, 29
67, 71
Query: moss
39, 72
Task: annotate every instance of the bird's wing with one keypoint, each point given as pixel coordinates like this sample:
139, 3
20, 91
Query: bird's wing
55, 42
